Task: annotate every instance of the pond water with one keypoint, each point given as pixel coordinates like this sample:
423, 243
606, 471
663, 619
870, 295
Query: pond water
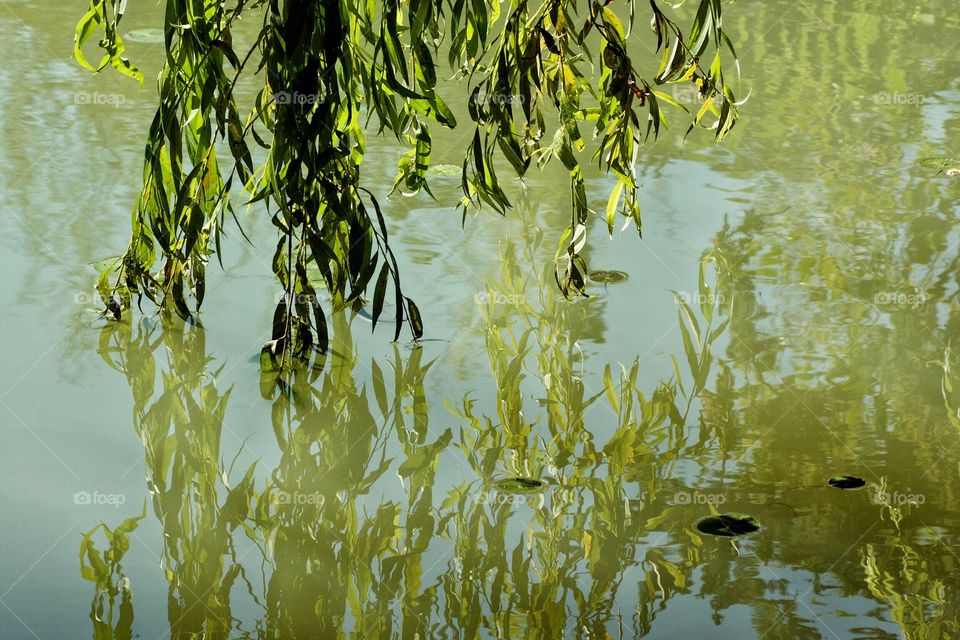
537, 468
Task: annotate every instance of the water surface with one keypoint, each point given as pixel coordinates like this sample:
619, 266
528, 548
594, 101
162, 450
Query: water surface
377, 498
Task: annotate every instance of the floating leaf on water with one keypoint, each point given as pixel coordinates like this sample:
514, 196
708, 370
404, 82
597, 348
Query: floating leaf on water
608, 277
846, 482
145, 36
520, 485
728, 525
446, 170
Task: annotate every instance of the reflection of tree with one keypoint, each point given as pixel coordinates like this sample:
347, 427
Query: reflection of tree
199, 510
845, 281
835, 363
920, 601
339, 560
820, 374
552, 564
110, 619
334, 565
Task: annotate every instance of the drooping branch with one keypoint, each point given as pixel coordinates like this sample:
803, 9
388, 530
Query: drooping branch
534, 82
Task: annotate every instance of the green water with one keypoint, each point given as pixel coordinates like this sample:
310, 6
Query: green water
495, 482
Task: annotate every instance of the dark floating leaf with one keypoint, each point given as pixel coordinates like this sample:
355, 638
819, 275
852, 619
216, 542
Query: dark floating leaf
520, 485
608, 277
846, 482
145, 36
728, 525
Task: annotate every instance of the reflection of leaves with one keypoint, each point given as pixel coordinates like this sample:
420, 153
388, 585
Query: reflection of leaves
237, 505
425, 457
900, 576
105, 571
99, 567
950, 386
317, 534
698, 339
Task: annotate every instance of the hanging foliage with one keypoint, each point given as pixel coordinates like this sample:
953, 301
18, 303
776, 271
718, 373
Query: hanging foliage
536, 75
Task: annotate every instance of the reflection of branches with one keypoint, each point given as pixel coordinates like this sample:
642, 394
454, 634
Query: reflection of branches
920, 602
181, 433
105, 571
950, 387
587, 524
335, 562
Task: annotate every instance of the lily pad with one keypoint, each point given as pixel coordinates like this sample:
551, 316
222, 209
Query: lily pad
608, 277
145, 36
446, 170
521, 485
728, 525
846, 482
